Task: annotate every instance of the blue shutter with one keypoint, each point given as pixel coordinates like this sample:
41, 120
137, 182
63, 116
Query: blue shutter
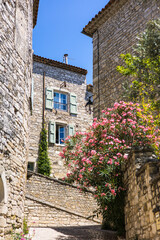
52, 132
49, 98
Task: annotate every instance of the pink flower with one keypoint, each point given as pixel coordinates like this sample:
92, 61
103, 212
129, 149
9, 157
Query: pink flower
125, 156
119, 154
113, 192
116, 163
61, 154
110, 161
103, 194
93, 152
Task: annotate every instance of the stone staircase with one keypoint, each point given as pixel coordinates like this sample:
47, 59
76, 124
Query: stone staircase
51, 203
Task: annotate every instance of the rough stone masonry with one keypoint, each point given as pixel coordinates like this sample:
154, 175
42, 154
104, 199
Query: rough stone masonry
16, 18
114, 31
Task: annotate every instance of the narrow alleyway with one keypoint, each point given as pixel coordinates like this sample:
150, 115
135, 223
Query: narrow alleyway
72, 233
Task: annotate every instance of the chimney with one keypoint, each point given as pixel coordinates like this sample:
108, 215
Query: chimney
65, 58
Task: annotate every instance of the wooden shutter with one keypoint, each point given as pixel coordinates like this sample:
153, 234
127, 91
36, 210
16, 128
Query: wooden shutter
71, 130
49, 98
52, 131
73, 103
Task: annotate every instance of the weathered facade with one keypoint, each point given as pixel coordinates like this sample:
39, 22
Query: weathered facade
64, 108
114, 30
17, 21
142, 203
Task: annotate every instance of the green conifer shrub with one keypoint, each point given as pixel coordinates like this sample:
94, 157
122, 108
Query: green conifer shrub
43, 160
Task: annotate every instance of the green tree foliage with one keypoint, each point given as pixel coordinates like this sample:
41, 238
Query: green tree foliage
43, 160
144, 67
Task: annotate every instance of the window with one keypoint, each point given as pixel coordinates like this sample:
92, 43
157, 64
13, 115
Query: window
31, 166
58, 132
60, 101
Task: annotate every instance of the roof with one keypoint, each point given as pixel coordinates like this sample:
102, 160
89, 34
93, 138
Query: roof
59, 64
35, 12
99, 19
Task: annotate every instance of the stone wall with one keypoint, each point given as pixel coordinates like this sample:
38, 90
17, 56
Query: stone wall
50, 202
75, 83
142, 205
15, 77
124, 20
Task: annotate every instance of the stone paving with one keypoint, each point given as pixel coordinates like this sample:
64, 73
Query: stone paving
72, 233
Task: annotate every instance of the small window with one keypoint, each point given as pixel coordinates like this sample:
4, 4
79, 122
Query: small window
60, 101
31, 166
60, 134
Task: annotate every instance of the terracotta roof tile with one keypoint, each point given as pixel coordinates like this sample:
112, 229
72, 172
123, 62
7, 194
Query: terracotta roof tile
59, 64
35, 12
99, 19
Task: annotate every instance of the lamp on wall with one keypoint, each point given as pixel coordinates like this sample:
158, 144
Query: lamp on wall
88, 105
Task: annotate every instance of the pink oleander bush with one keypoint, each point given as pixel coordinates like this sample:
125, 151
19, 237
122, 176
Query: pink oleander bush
94, 158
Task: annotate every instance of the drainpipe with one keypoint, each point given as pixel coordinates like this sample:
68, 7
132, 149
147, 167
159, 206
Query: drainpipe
98, 74
43, 99
32, 95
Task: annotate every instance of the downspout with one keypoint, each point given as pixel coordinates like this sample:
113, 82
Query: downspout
32, 95
98, 74
43, 99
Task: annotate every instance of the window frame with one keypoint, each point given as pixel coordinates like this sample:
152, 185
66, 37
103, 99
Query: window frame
60, 101
58, 126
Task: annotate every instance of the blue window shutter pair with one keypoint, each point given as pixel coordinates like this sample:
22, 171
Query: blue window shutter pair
52, 131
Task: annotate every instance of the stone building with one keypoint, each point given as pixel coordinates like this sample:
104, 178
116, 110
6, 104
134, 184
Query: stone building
17, 21
60, 98
114, 30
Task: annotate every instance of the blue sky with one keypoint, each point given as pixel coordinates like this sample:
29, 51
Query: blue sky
58, 31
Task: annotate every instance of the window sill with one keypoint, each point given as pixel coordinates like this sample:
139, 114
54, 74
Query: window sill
59, 145
61, 111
